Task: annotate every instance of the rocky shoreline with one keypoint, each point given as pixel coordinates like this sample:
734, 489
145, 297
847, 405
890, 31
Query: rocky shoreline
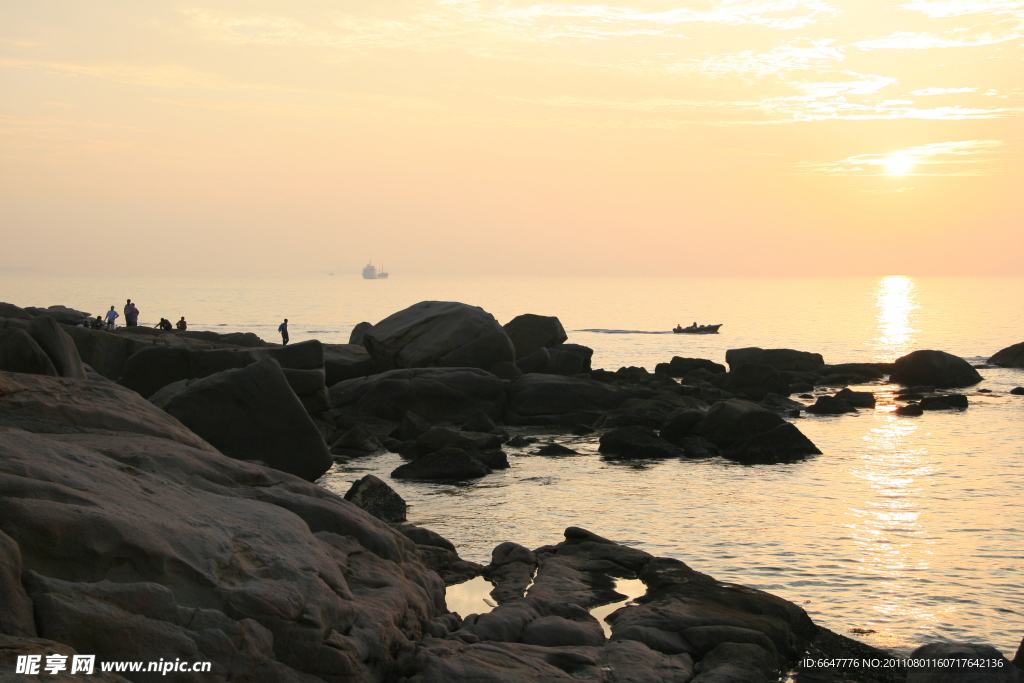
156, 501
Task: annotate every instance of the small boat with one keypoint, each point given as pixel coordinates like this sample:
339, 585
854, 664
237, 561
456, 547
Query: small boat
697, 329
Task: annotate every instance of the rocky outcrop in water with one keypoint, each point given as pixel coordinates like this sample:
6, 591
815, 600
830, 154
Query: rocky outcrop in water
936, 368
780, 359
1010, 357
530, 332
438, 334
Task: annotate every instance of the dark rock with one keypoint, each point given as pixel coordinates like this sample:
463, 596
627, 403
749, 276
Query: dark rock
698, 448
19, 352
530, 332
105, 352
1010, 357
11, 311
394, 445
802, 389
448, 463
554, 449
911, 409
869, 371
356, 336
556, 631
436, 438
830, 405
356, 442
737, 663
681, 423
438, 334
518, 441
781, 403
377, 498
147, 544
806, 395
734, 419
755, 381
537, 361
948, 400
16, 617
496, 460
997, 668
563, 362
681, 367
537, 399
58, 346
479, 423
780, 359
937, 368
650, 412
1017, 391
857, 399
582, 429
636, 442
346, 361
435, 394
909, 397
784, 443
505, 370
934, 403
153, 368
585, 353
411, 427
61, 314
252, 414
919, 389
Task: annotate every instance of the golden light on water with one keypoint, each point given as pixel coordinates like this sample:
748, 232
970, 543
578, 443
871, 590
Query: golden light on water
895, 303
899, 164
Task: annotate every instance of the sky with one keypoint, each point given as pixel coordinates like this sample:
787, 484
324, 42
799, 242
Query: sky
717, 137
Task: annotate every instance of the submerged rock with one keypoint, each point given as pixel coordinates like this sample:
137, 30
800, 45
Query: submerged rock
857, 399
830, 405
911, 410
636, 442
784, 443
937, 368
447, 463
554, 449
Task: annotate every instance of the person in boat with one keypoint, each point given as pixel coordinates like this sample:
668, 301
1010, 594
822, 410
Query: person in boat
181, 324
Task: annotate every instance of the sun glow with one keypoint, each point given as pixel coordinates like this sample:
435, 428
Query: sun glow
898, 164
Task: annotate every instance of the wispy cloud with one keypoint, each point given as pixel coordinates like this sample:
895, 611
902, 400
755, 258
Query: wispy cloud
160, 76
792, 56
925, 92
973, 36
938, 159
957, 8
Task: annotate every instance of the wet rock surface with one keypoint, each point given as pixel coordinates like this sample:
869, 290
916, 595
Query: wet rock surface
936, 368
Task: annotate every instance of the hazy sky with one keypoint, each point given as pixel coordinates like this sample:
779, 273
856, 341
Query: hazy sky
698, 136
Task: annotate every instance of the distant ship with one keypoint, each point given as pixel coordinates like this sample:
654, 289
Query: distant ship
370, 272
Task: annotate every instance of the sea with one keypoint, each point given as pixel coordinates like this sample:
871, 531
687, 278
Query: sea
904, 531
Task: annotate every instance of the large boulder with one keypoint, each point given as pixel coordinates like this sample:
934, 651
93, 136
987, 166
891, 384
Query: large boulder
252, 414
11, 311
784, 443
135, 546
449, 463
106, 352
434, 394
347, 361
935, 368
439, 334
537, 399
58, 346
356, 337
780, 359
1010, 357
530, 332
62, 314
680, 367
377, 498
734, 419
754, 381
19, 352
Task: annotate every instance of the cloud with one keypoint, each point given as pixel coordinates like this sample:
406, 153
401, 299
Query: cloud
940, 159
793, 56
957, 8
924, 92
973, 36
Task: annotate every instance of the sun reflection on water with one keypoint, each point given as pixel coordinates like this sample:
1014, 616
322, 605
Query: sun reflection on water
886, 526
896, 301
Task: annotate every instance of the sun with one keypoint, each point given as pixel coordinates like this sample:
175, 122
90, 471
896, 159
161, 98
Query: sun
898, 164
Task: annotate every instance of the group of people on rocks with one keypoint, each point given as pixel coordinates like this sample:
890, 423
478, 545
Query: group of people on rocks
131, 319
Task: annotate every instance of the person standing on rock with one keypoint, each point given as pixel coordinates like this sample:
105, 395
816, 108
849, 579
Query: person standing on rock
283, 329
131, 314
112, 315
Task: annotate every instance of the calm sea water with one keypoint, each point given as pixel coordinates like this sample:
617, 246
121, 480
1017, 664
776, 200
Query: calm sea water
908, 527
